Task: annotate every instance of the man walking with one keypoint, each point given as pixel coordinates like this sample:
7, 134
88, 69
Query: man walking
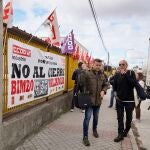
75, 78
112, 96
124, 82
94, 82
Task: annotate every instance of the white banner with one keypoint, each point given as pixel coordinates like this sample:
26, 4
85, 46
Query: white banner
32, 73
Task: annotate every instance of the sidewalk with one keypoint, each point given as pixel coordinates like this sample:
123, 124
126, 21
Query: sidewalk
143, 126
65, 133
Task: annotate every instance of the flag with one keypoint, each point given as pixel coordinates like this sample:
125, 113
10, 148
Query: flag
52, 22
87, 57
68, 44
72, 54
8, 14
76, 55
82, 55
46, 39
90, 58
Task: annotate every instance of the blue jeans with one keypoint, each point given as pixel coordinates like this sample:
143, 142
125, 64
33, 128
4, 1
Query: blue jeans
88, 113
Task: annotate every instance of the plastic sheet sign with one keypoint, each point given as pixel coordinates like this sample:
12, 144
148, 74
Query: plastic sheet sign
32, 73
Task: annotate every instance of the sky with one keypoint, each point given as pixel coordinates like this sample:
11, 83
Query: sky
125, 25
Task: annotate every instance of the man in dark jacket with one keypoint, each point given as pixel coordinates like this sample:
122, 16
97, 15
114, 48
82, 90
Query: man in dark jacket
75, 78
124, 82
112, 96
94, 82
111, 81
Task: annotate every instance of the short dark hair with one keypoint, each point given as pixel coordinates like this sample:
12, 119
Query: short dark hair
80, 64
98, 60
140, 74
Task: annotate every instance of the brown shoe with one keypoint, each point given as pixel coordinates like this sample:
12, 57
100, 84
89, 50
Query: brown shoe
86, 141
95, 134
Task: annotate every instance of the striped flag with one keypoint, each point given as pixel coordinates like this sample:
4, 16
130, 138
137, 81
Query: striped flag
87, 57
52, 22
82, 55
76, 55
68, 44
8, 14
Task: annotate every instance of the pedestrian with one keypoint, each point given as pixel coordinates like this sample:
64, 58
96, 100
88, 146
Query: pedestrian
139, 77
112, 96
84, 68
124, 82
75, 78
104, 72
94, 81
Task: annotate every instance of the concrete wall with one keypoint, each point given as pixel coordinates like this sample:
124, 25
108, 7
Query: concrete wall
16, 128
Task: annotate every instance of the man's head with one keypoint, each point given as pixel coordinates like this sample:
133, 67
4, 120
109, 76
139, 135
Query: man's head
80, 64
85, 66
139, 76
117, 69
123, 65
97, 64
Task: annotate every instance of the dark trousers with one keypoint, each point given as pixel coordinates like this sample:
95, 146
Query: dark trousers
138, 111
75, 90
88, 113
128, 107
112, 96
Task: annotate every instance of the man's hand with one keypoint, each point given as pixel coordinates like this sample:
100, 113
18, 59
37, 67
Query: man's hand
122, 71
102, 93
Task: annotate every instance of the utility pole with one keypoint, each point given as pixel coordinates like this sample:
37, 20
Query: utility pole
1, 72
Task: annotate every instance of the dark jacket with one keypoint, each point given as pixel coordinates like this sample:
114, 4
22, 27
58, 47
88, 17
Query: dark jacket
94, 84
75, 75
111, 80
124, 84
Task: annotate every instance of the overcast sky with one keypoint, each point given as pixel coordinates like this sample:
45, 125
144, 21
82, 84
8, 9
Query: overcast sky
125, 24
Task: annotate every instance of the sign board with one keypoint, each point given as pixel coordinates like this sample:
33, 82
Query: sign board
32, 73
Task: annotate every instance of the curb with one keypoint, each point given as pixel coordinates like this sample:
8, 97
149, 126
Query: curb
133, 141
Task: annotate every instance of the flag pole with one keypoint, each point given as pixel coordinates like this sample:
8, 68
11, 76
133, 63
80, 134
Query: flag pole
34, 34
5, 38
5, 33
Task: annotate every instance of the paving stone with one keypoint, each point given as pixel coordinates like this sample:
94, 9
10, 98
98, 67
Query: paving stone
65, 133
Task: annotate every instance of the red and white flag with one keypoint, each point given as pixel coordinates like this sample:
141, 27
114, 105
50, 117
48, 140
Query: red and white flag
82, 56
91, 60
87, 57
90, 57
52, 22
46, 39
76, 54
8, 14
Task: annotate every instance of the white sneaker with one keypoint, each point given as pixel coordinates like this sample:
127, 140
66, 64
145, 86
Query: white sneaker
71, 110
